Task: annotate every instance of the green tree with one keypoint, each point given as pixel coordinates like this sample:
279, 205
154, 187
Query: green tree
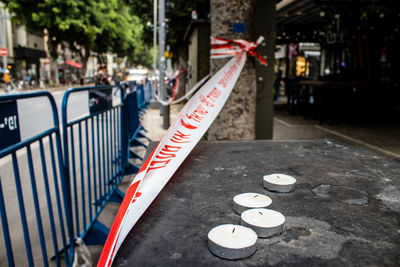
92, 25
178, 13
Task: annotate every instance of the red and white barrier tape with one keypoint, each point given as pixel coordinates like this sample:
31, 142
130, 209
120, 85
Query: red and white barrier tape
175, 89
221, 48
192, 122
189, 93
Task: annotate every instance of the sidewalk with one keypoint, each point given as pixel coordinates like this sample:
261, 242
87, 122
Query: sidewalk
382, 136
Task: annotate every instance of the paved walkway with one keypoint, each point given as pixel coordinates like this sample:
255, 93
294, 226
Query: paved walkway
382, 136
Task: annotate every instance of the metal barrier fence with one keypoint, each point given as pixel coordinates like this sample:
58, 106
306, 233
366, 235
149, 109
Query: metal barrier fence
93, 158
148, 92
144, 92
79, 172
131, 117
37, 176
140, 97
135, 103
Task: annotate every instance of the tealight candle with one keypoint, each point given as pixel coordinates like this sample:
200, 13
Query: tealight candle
246, 201
279, 182
264, 222
231, 241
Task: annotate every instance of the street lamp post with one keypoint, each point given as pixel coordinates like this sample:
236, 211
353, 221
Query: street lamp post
155, 36
161, 40
4, 39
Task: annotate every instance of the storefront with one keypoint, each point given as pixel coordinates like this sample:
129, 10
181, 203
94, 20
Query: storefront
27, 64
349, 47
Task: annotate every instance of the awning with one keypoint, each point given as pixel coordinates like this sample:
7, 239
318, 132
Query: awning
73, 64
29, 53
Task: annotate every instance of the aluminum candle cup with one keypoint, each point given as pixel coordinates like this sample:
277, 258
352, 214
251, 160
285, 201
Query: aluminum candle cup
279, 182
232, 242
264, 222
247, 201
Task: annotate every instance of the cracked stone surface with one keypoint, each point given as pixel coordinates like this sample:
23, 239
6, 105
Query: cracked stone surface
343, 212
342, 193
390, 198
312, 234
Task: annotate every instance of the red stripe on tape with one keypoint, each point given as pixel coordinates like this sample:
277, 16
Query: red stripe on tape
105, 260
219, 46
112, 237
225, 54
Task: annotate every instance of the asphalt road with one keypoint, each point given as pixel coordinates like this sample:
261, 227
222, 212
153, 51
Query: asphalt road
35, 114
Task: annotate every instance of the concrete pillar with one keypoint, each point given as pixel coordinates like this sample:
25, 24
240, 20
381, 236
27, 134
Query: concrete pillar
237, 119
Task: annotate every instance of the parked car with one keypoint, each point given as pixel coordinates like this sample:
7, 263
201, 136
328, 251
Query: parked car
138, 75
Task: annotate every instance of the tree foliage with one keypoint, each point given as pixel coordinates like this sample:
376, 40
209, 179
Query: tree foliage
178, 14
90, 25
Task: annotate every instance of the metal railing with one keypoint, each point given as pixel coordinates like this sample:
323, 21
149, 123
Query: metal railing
39, 181
132, 127
93, 158
70, 170
135, 103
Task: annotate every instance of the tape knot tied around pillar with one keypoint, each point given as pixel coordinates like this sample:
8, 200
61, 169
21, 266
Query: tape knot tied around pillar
222, 48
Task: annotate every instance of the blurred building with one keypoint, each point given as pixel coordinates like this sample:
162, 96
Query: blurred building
198, 38
29, 50
6, 38
26, 50
29, 63
350, 48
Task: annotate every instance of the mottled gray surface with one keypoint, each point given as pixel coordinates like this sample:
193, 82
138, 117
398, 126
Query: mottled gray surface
237, 119
344, 210
343, 194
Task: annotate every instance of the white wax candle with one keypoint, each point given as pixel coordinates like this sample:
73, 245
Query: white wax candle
279, 182
231, 241
246, 201
264, 222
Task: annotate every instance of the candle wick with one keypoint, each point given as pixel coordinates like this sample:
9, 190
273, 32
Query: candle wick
233, 230
278, 176
260, 212
256, 196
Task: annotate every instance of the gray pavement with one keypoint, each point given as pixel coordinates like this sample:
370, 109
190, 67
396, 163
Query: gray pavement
380, 136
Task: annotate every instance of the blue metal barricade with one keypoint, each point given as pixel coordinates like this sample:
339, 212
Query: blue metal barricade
71, 178
140, 97
131, 120
93, 157
134, 127
33, 179
148, 92
141, 105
